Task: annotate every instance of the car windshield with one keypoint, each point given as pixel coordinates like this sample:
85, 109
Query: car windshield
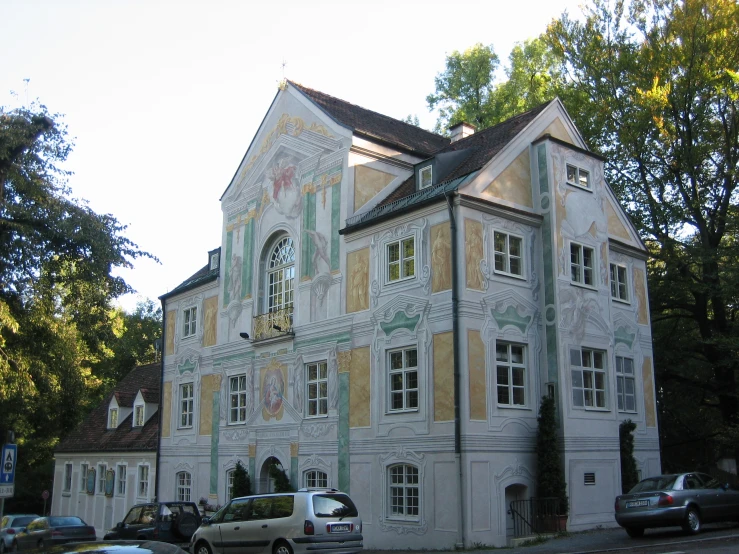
661, 483
334, 505
62, 521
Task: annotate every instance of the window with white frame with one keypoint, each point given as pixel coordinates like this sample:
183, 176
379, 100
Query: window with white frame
102, 468
401, 259
578, 176
237, 399
214, 261
625, 384
83, 477
138, 415
143, 482
619, 283
230, 484
187, 402
113, 418
404, 492
317, 388
314, 478
121, 482
281, 275
425, 177
582, 264
67, 477
184, 485
508, 253
403, 378
510, 368
588, 377
190, 321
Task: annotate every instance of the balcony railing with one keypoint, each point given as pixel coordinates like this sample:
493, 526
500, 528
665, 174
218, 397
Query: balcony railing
273, 324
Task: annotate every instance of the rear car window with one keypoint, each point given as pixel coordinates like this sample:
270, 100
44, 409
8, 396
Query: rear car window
334, 505
282, 506
133, 515
21, 521
62, 521
663, 482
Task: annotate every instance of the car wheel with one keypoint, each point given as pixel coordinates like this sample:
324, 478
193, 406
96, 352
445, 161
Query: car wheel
692, 523
40, 544
635, 532
282, 547
14, 546
2, 545
202, 548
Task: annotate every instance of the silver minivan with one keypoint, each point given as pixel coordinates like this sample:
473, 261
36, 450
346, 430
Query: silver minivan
308, 520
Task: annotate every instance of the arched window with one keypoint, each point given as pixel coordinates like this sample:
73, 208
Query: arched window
314, 478
280, 275
404, 491
184, 486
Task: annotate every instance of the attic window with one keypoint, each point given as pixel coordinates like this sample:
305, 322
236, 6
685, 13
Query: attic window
138, 416
214, 261
113, 418
578, 176
425, 177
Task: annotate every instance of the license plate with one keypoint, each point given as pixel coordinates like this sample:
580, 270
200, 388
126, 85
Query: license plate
340, 528
637, 504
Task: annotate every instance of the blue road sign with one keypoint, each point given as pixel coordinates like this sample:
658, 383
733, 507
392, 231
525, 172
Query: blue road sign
7, 464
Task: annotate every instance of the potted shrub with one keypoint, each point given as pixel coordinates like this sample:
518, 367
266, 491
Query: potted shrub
550, 476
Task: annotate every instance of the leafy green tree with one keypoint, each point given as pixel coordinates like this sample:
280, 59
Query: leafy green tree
241, 483
654, 88
282, 481
629, 473
136, 336
550, 475
411, 120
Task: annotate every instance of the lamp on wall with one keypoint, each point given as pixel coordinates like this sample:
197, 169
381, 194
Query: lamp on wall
244, 335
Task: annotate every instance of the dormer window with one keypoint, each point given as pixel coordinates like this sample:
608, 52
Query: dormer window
138, 416
425, 177
578, 176
214, 261
112, 418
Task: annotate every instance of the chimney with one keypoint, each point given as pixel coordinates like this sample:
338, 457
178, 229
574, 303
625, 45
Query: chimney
461, 130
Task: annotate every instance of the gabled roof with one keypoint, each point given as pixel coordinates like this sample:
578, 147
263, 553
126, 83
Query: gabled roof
375, 125
204, 275
93, 435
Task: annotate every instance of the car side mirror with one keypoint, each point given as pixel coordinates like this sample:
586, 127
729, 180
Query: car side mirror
119, 525
205, 521
725, 486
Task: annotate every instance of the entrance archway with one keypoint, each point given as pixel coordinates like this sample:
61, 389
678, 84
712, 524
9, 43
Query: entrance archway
513, 493
265, 483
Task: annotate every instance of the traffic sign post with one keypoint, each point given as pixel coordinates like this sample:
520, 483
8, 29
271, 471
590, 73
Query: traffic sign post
7, 470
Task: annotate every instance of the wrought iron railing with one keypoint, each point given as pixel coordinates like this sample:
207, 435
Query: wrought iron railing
273, 324
536, 516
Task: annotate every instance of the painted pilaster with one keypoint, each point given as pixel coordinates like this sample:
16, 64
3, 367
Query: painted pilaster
343, 431
335, 226
253, 464
227, 261
214, 437
294, 465
309, 224
246, 271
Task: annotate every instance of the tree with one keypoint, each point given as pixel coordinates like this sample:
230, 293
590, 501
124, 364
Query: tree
241, 483
629, 473
136, 335
550, 475
411, 120
654, 88
282, 481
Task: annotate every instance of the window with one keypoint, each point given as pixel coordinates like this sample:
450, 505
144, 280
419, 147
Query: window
578, 176
102, 468
83, 477
315, 479
425, 177
317, 383
67, 477
214, 261
582, 264
625, 384
186, 405
404, 491
508, 253
403, 380
113, 418
619, 284
190, 321
230, 484
237, 392
401, 261
281, 276
510, 362
184, 483
588, 378
138, 416
143, 489
121, 481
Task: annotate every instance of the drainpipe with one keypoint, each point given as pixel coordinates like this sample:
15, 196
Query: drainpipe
161, 403
457, 376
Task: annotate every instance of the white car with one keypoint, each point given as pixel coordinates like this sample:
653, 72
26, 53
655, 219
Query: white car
11, 525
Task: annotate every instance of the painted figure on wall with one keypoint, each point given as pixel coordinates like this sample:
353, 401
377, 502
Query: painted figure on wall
474, 255
320, 254
286, 187
273, 390
358, 292
210, 307
234, 279
441, 259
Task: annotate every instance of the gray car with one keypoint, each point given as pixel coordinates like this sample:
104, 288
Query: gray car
309, 520
686, 499
11, 525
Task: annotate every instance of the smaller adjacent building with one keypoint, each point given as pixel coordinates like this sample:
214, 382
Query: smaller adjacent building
108, 463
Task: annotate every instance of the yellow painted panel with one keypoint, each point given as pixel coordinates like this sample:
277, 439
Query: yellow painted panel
166, 409
359, 388
367, 183
648, 378
441, 257
208, 385
210, 308
476, 361
514, 183
171, 322
615, 227
294, 449
444, 377
558, 130
474, 253
357, 289
640, 291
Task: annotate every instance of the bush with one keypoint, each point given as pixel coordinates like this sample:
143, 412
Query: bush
241, 483
629, 473
282, 481
550, 476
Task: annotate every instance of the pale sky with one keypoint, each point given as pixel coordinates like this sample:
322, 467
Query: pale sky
164, 97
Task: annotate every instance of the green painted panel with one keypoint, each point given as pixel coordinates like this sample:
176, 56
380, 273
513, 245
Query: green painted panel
623, 336
214, 438
335, 226
309, 224
240, 356
246, 266
510, 317
294, 472
400, 321
186, 367
227, 261
343, 432
338, 338
253, 472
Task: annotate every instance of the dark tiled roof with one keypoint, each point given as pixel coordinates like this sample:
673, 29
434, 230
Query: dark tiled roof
204, 275
364, 121
92, 435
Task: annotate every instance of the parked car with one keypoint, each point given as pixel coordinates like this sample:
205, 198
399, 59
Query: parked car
172, 522
47, 531
10, 525
309, 520
686, 499
115, 547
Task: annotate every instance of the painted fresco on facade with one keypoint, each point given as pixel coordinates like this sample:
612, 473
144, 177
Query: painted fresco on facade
274, 391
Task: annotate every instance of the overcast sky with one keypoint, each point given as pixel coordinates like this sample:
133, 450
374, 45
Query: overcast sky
164, 97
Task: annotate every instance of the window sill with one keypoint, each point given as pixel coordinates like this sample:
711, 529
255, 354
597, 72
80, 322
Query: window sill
66, 493
621, 301
319, 416
514, 407
511, 275
592, 409
395, 412
398, 281
583, 285
402, 520
580, 187
236, 423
